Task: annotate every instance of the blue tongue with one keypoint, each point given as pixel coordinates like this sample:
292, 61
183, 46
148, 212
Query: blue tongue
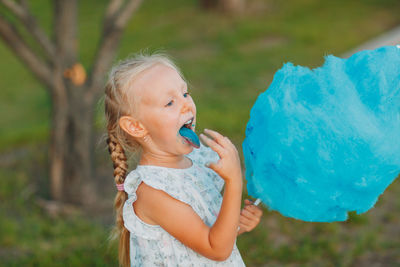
190, 136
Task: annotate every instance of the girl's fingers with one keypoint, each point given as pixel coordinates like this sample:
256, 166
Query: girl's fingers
247, 214
248, 201
214, 145
217, 137
228, 140
244, 228
251, 207
258, 212
254, 209
244, 221
251, 216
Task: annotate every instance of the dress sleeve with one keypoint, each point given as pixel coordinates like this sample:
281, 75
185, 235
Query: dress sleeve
131, 221
131, 183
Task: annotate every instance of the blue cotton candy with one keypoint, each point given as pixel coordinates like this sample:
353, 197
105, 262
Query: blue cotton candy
323, 142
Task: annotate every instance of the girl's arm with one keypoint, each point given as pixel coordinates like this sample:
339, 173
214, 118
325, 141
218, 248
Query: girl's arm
182, 222
224, 231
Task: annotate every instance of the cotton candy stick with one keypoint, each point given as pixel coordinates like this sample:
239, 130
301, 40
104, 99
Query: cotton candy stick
257, 202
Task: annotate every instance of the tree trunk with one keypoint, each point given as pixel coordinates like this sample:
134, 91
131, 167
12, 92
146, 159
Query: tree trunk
71, 148
208, 4
79, 166
232, 6
58, 134
229, 6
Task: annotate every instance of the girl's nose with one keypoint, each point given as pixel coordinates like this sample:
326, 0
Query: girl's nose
185, 107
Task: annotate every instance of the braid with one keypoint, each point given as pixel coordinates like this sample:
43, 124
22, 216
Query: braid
118, 157
120, 169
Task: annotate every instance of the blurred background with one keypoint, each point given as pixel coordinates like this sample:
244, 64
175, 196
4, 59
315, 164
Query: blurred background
228, 52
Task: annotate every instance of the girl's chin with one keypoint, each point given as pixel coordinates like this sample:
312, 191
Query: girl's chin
186, 142
182, 141
188, 145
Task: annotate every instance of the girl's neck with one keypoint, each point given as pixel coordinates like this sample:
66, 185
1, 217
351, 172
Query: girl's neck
178, 162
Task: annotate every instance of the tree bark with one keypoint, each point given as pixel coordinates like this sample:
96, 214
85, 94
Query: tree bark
208, 4
232, 6
71, 143
228, 6
59, 122
79, 171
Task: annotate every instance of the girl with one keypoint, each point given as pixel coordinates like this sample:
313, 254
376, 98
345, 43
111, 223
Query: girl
169, 210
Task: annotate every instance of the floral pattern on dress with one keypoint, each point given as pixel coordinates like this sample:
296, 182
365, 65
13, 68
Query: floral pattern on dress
197, 186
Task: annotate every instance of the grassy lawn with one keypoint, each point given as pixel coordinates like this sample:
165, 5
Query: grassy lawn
228, 61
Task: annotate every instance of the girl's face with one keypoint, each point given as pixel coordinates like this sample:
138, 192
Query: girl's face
164, 107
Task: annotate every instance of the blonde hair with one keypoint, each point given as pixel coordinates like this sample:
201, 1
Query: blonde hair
118, 104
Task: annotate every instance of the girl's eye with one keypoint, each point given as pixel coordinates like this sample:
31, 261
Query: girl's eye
167, 105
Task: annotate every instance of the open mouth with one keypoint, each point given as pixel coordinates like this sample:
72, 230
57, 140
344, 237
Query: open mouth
186, 131
188, 124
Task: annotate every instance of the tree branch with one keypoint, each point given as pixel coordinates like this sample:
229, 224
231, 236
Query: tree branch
15, 42
21, 11
113, 7
116, 18
65, 31
125, 13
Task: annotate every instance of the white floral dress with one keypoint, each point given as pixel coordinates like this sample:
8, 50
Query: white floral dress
198, 186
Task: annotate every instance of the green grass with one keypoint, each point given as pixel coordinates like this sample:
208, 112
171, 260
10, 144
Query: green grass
228, 61
31, 237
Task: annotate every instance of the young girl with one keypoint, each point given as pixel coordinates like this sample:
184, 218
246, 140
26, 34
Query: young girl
169, 210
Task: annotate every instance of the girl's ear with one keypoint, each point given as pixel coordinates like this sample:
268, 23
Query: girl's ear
132, 126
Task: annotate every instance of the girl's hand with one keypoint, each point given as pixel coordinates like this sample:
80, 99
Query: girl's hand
228, 166
250, 217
